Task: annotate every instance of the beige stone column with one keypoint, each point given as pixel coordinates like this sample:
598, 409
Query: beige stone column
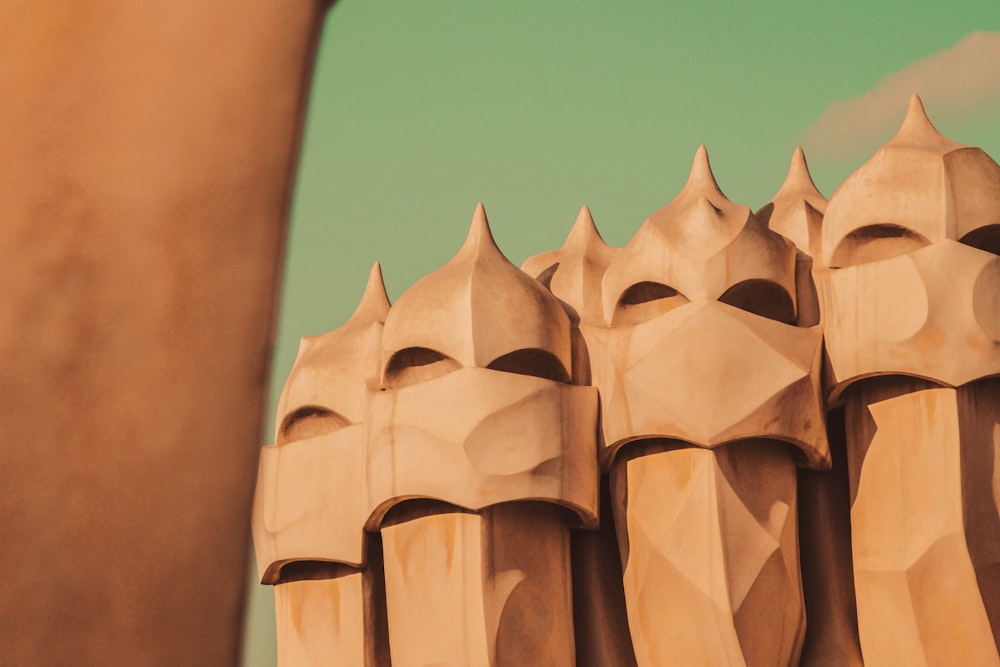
710, 545
480, 588
481, 456
908, 284
311, 502
573, 273
922, 463
796, 211
710, 395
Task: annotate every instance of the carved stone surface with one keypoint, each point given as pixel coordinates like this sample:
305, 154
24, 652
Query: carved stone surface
919, 455
311, 500
698, 350
319, 621
910, 296
455, 431
475, 412
642, 455
823, 500
797, 210
480, 588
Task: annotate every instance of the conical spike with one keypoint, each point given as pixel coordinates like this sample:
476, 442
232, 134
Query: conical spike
798, 180
480, 237
701, 178
584, 231
374, 305
917, 127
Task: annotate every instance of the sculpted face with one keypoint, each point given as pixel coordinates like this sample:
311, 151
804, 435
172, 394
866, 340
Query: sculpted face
648, 375
699, 340
908, 290
477, 437
696, 343
475, 406
886, 308
311, 502
477, 420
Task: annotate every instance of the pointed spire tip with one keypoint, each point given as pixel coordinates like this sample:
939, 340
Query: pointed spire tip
374, 304
480, 224
584, 231
480, 236
915, 111
701, 176
798, 173
701, 163
798, 167
917, 126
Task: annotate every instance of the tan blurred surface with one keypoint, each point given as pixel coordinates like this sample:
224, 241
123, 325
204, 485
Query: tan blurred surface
148, 156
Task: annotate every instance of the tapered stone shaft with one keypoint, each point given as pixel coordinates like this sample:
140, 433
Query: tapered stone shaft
481, 454
922, 463
715, 533
486, 588
908, 285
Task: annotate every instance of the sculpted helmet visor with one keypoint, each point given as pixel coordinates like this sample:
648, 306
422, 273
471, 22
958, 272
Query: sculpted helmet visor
311, 500
699, 342
311, 504
907, 282
522, 438
657, 381
475, 406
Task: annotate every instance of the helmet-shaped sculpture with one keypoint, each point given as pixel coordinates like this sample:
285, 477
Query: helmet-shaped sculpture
311, 503
320, 444
700, 342
921, 208
478, 444
797, 209
909, 280
704, 377
574, 272
796, 212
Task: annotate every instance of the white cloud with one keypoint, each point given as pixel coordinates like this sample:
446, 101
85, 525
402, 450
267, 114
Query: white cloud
959, 82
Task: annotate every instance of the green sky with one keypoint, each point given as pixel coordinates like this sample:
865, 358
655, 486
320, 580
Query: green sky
421, 109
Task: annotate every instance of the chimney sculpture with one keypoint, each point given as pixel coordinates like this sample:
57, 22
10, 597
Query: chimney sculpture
481, 457
573, 273
710, 398
433, 458
310, 506
796, 211
910, 293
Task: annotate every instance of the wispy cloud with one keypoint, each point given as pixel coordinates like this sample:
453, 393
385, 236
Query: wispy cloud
959, 82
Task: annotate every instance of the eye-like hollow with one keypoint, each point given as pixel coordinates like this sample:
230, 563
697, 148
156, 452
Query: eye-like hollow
532, 361
761, 297
985, 238
413, 365
876, 242
308, 422
644, 301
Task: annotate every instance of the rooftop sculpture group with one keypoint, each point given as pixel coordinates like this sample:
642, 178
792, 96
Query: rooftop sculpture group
744, 438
